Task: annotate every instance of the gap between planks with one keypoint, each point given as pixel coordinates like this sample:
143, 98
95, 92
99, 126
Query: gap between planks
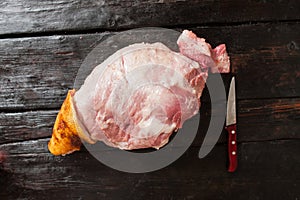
116, 30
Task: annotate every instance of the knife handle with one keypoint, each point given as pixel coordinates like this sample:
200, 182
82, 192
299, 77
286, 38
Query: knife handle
232, 147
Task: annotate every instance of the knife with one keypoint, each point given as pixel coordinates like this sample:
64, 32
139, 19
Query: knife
231, 127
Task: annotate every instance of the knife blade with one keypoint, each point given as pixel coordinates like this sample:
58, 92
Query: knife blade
231, 127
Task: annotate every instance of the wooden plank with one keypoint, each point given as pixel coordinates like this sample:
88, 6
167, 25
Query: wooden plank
258, 120
26, 125
267, 170
37, 72
47, 16
265, 58
269, 119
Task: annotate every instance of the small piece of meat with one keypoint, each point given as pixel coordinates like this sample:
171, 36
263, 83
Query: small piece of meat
197, 49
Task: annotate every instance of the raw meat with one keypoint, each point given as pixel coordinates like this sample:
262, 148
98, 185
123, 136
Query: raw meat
197, 49
144, 92
140, 95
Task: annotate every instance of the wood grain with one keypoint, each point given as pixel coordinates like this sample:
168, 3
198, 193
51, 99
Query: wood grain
47, 16
26, 125
269, 119
258, 120
37, 72
30, 172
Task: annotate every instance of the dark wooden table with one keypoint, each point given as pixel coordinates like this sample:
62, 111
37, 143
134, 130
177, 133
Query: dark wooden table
42, 45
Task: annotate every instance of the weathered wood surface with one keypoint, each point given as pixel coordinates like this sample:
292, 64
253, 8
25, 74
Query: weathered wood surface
268, 170
258, 120
43, 44
33, 69
37, 72
77, 15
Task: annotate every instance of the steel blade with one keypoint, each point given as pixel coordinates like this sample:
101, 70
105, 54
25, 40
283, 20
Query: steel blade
231, 105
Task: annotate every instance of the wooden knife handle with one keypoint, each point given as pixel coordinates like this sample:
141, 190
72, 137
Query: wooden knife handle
232, 147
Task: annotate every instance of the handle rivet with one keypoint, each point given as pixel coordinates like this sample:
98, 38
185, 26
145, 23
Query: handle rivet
233, 142
232, 132
233, 153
